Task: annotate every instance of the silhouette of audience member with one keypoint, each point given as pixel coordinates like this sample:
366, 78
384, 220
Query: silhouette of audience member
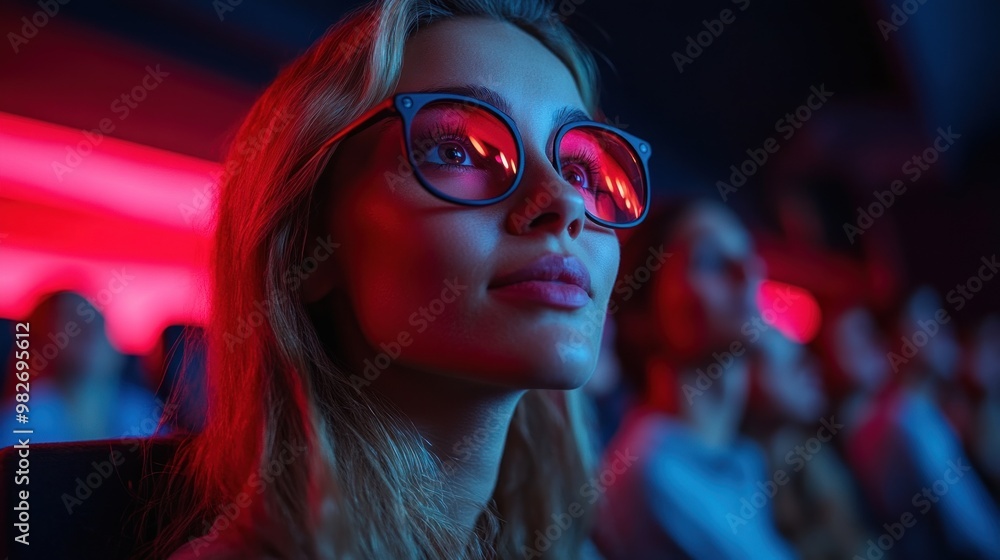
76, 391
818, 508
855, 369
909, 458
178, 364
684, 477
984, 369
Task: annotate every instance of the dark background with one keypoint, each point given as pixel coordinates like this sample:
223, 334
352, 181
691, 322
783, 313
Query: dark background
939, 69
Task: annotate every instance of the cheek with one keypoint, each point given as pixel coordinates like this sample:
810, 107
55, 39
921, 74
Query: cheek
604, 271
409, 279
606, 255
417, 270
399, 252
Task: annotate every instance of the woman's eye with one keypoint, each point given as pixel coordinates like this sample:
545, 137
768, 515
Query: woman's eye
575, 175
449, 153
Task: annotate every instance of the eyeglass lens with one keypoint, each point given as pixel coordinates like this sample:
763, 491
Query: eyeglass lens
467, 152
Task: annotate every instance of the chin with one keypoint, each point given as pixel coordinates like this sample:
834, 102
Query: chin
539, 370
570, 368
542, 357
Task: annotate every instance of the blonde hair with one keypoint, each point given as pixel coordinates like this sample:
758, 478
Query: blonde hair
360, 484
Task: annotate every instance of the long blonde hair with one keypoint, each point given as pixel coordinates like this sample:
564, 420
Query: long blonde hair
293, 458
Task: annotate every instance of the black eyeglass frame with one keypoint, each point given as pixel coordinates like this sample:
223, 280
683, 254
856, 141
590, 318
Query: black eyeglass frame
407, 105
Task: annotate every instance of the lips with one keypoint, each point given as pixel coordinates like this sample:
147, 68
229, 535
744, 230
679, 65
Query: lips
559, 280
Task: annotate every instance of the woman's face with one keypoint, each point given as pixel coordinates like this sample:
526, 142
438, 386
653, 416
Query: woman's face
708, 288
421, 276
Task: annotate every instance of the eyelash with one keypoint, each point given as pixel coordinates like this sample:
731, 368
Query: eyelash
457, 133
587, 159
444, 133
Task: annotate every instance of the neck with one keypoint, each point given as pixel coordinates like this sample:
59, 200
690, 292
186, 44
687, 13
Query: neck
465, 425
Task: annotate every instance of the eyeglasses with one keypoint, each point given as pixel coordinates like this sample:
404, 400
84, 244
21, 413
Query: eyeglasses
466, 151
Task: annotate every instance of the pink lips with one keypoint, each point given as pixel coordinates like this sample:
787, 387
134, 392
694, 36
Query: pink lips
555, 280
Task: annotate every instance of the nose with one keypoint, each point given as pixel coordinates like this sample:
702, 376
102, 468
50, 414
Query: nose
545, 202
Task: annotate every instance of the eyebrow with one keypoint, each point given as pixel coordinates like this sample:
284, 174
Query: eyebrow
562, 116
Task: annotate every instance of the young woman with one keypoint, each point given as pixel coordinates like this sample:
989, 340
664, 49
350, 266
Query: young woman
409, 271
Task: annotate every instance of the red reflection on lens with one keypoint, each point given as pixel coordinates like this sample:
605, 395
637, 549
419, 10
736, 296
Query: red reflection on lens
463, 150
613, 186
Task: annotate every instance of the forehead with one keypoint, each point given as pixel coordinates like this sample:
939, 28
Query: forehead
482, 52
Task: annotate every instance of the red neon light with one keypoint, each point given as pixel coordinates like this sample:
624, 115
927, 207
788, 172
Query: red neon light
790, 309
127, 226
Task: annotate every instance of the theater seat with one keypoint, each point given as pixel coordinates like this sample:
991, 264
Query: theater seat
83, 497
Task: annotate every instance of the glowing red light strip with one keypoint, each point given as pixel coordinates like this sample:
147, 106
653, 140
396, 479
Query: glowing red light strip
60, 166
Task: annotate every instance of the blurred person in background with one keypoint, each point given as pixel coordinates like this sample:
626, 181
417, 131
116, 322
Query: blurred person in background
687, 285
853, 350
607, 390
984, 372
76, 389
909, 458
933, 367
818, 508
177, 365
855, 370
